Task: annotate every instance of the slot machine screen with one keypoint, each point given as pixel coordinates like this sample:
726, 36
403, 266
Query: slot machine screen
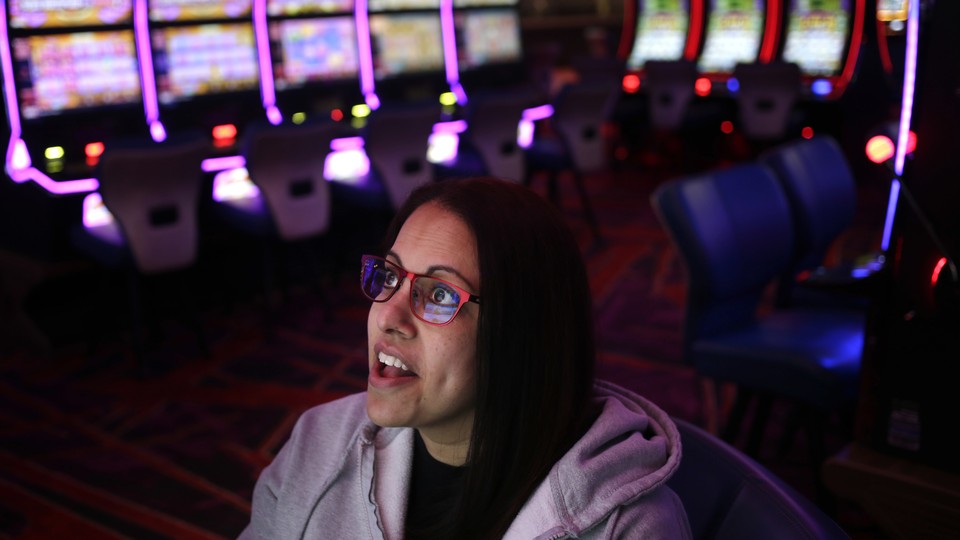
405, 43
279, 8
483, 3
490, 36
69, 13
198, 10
400, 5
661, 32
734, 31
816, 36
212, 58
309, 50
63, 72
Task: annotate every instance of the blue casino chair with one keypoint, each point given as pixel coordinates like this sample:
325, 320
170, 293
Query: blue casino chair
730, 496
291, 209
822, 192
734, 234
575, 144
152, 191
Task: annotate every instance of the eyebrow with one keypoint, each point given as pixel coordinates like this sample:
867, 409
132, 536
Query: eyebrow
433, 269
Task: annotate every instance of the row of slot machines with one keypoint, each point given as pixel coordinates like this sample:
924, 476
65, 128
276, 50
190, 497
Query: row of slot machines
79, 73
823, 37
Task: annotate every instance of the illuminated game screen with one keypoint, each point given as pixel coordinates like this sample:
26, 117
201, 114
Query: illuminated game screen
308, 50
198, 10
488, 37
734, 31
67, 13
61, 72
308, 7
204, 59
405, 43
661, 32
483, 3
816, 35
400, 5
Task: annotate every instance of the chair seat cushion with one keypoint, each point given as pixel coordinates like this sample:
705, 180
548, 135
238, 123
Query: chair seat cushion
807, 354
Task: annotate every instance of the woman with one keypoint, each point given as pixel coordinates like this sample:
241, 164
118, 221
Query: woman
481, 418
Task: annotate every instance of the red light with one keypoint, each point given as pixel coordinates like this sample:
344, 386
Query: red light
726, 126
703, 87
93, 150
806, 132
224, 132
936, 271
911, 141
879, 148
336, 115
631, 83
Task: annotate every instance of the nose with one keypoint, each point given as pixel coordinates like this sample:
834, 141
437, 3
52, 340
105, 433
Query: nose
394, 315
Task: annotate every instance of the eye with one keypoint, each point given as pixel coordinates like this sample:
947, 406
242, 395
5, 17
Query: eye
444, 295
390, 278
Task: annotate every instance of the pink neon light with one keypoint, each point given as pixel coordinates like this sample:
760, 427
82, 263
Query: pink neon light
909, 86
222, 163
448, 33
367, 85
454, 126
268, 92
346, 143
538, 113
9, 89
151, 109
83, 185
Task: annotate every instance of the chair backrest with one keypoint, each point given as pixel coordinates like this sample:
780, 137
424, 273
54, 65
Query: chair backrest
153, 190
493, 125
286, 163
580, 111
396, 142
669, 88
822, 192
766, 97
734, 234
729, 496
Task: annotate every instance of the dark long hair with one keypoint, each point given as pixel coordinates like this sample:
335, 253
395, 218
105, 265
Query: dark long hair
535, 346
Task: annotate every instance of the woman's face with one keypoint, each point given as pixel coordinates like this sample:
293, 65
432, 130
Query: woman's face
435, 388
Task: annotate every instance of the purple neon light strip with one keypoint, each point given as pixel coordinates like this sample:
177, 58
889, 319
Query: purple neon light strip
367, 84
82, 185
141, 31
9, 88
222, 163
909, 83
268, 91
448, 32
906, 111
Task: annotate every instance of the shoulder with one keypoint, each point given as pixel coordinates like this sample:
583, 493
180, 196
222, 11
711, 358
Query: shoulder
658, 514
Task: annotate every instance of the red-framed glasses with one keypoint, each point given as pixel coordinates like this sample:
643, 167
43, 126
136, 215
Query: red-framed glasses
432, 300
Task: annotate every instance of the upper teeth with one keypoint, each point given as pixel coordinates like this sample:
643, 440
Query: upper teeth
392, 361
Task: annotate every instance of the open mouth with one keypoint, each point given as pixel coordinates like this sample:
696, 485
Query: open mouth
391, 366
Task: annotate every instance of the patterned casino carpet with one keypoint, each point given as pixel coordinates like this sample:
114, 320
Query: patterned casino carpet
89, 449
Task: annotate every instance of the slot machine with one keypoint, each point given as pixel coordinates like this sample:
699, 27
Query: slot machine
72, 82
206, 70
665, 30
314, 58
737, 31
488, 43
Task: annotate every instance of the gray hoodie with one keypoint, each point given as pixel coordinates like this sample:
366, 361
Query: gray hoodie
340, 476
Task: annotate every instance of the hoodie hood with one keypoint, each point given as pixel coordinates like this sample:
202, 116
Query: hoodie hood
631, 449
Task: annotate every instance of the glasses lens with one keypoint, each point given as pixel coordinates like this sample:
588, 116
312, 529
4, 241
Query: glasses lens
434, 301
378, 280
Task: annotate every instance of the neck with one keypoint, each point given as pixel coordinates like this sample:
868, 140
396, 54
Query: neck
445, 449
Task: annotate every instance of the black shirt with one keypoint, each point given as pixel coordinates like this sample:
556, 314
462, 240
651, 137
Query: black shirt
434, 490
